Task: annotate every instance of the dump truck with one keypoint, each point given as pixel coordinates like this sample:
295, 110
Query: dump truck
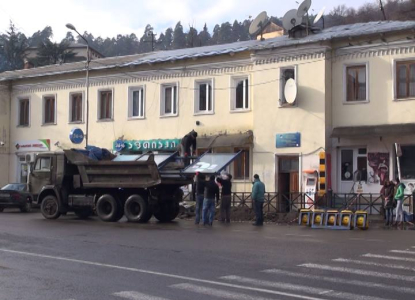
137, 186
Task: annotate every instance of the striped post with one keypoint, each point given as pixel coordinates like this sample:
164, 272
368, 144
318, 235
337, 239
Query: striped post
322, 171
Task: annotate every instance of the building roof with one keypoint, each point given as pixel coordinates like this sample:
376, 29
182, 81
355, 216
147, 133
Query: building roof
333, 33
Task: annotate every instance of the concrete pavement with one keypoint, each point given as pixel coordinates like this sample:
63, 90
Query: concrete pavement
88, 259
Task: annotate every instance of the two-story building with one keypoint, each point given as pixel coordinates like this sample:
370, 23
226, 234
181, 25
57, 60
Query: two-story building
354, 88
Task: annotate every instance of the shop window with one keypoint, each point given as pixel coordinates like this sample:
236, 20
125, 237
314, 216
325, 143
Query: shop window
136, 103
362, 168
405, 79
356, 83
347, 165
241, 165
105, 105
24, 110
42, 164
240, 94
286, 74
169, 101
76, 107
49, 110
407, 162
203, 97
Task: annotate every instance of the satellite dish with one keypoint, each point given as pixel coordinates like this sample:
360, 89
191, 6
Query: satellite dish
303, 8
290, 91
319, 15
290, 19
258, 24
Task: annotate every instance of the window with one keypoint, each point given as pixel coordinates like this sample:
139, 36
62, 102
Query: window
240, 94
286, 74
24, 112
407, 162
105, 105
241, 165
203, 97
405, 79
49, 110
347, 165
356, 83
169, 100
136, 102
76, 107
42, 164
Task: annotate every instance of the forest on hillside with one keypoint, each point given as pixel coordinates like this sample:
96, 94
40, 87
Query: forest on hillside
13, 43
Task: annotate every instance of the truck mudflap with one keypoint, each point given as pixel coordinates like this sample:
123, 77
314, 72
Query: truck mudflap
115, 174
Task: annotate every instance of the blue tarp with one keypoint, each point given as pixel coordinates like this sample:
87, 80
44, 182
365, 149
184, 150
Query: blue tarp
95, 153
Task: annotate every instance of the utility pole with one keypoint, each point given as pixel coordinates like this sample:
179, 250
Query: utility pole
382, 9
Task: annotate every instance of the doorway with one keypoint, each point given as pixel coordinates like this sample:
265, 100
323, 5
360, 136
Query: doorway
287, 180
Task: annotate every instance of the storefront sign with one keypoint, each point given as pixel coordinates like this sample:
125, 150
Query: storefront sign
76, 136
146, 145
33, 146
286, 140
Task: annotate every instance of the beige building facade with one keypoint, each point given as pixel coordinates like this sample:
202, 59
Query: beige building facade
234, 97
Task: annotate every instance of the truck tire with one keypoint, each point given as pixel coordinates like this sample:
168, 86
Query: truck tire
108, 208
167, 212
137, 210
26, 208
83, 213
50, 208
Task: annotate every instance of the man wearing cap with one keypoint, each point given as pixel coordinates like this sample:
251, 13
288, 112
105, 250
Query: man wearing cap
258, 196
188, 146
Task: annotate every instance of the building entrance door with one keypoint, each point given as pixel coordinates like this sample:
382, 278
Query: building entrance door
288, 180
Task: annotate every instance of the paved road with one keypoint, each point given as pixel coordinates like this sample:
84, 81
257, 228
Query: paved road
88, 259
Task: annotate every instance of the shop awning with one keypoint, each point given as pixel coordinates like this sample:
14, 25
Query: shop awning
374, 131
226, 140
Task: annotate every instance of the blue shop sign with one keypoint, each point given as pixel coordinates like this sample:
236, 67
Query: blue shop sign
287, 140
76, 136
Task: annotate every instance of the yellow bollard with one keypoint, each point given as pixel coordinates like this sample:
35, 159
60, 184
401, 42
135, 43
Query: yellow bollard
332, 217
346, 218
305, 217
317, 218
361, 220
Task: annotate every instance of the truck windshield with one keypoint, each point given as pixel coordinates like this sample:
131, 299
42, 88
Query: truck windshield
42, 164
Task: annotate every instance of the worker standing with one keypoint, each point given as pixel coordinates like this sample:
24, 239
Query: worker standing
211, 192
188, 146
225, 203
258, 196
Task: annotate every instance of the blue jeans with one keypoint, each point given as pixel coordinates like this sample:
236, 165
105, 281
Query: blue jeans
389, 215
208, 211
199, 208
258, 212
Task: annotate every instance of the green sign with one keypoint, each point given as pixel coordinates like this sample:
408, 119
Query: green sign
146, 145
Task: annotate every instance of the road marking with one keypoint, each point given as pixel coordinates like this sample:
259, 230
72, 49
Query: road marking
368, 240
301, 235
369, 263
299, 288
132, 295
389, 257
359, 272
343, 281
215, 292
403, 252
91, 263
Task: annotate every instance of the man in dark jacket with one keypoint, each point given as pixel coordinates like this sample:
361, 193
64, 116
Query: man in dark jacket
188, 146
225, 203
211, 192
200, 195
388, 193
258, 197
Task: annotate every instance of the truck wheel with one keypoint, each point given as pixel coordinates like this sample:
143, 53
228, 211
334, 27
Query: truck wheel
83, 213
108, 208
167, 212
50, 208
26, 208
137, 210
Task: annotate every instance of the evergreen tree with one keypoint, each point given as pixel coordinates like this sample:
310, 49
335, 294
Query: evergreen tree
53, 53
13, 45
146, 40
168, 40
225, 33
179, 38
69, 37
192, 38
204, 36
215, 37
40, 37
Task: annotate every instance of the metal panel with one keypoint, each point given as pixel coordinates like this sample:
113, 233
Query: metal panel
211, 163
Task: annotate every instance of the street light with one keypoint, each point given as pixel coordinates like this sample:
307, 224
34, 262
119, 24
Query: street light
71, 27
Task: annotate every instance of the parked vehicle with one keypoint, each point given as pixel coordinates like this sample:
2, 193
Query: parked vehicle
15, 195
137, 186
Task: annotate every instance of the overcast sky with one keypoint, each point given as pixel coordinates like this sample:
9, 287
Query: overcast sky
107, 18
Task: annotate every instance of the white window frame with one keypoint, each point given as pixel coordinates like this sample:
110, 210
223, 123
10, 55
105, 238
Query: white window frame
162, 103
345, 66
394, 79
19, 99
43, 109
70, 108
131, 90
233, 84
196, 101
282, 87
99, 105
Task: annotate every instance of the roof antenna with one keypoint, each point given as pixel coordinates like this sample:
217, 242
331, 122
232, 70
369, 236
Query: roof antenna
382, 9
